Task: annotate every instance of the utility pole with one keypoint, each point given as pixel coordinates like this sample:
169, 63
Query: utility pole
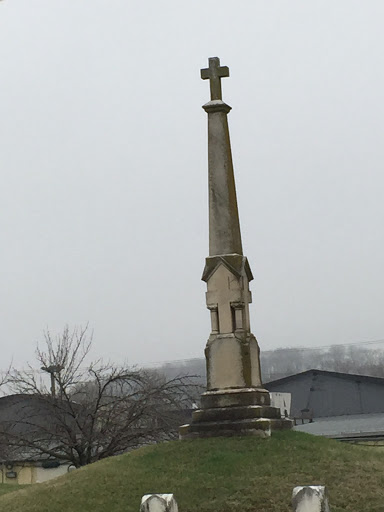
52, 370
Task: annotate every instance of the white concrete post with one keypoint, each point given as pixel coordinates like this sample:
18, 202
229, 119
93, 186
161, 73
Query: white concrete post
310, 498
158, 503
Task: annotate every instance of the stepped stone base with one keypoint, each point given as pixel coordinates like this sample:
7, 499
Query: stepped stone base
235, 412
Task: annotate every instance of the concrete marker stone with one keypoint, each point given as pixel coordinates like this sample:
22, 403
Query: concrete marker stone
310, 498
158, 503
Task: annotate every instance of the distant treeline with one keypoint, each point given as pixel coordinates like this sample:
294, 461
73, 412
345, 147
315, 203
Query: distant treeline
281, 362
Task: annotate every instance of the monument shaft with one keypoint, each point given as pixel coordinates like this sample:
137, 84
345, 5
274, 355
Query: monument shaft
224, 226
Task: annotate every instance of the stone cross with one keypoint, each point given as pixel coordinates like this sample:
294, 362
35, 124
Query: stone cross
215, 73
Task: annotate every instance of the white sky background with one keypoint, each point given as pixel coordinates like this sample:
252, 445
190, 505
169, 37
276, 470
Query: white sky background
103, 161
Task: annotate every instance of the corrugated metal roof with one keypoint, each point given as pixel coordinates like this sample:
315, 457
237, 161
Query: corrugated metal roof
348, 376
358, 426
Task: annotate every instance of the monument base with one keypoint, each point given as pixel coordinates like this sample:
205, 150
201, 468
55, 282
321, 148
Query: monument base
235, 412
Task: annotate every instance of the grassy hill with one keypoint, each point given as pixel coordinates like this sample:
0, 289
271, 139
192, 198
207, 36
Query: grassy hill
6, 488
217, 475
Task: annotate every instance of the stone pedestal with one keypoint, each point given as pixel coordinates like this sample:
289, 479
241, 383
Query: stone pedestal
235, 412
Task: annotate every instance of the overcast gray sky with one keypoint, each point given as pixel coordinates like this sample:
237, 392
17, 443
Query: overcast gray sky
104, 170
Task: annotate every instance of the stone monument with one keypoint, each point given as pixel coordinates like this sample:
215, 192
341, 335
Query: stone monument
235, 402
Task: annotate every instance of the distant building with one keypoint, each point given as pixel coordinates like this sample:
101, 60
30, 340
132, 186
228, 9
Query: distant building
27, 471
337, 405
20, 465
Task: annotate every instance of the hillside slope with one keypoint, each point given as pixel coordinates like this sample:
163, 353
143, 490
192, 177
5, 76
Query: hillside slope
217, 475
6, 488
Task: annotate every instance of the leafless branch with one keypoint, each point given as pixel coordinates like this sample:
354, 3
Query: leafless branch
93, 411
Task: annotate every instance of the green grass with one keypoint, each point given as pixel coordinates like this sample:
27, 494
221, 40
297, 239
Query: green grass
6, 488
217, 475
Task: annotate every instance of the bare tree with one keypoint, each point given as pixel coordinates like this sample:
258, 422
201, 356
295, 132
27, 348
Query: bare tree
91, 410
4, 376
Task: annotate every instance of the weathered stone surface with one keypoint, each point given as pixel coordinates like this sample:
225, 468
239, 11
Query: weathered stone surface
236, 263
224, 225
254, 427
310, 499
158, 503
232, 361
235, 402
235, 413
214, 73
260, 427
235, 398
228, 290
232, 352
